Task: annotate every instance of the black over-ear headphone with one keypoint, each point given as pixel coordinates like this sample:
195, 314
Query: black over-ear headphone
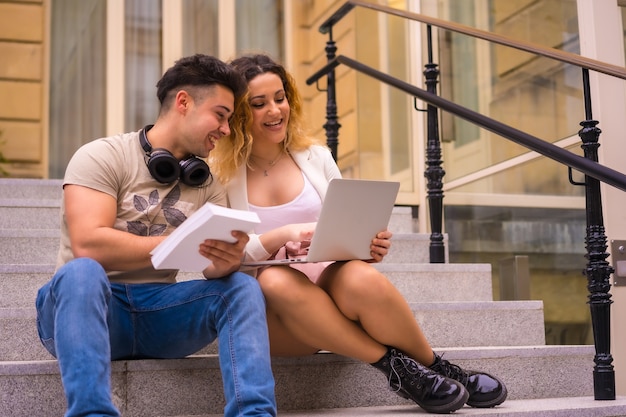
165, 168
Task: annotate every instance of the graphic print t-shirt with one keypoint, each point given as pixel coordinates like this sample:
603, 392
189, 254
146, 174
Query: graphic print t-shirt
116, 166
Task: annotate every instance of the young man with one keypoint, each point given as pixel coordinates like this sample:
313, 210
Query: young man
122, 195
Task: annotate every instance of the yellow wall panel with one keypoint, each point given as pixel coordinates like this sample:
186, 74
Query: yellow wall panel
20, 61
346, 43
547, 23
345, 98
551, 15
22, 22
348, 138
316, 112
310, 91
342, 35
23, 100
346, 113
504, 9
21, 141
318, 11
346, 92
307, 92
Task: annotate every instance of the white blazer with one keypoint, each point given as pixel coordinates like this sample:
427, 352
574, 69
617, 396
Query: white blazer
316, 163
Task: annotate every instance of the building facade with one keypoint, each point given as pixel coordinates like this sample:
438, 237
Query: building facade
75, 70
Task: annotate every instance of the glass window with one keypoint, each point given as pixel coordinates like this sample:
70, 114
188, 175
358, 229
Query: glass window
382, 148
460, 85
77, 78
200, 27
260, 27
539, 96
399, 136
504, 82
143, 56
483, 234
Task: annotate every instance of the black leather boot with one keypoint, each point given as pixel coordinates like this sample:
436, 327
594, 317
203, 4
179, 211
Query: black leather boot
411, 380
484, 390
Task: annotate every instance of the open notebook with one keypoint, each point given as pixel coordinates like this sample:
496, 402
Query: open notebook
353, 212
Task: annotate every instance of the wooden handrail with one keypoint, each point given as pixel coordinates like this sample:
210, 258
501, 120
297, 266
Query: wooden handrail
588, 167
563, 56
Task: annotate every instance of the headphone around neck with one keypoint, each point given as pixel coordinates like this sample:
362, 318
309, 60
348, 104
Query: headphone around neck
165, 168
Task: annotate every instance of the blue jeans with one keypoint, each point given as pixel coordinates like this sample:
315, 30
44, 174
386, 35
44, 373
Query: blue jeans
85, 322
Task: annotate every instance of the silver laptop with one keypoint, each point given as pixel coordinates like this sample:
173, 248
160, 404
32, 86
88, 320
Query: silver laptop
353, 212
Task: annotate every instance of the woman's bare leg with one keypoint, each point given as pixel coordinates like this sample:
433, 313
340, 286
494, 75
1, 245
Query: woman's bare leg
366, 296
302, 318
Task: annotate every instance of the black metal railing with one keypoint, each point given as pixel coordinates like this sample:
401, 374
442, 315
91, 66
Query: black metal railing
570, 159
598, 270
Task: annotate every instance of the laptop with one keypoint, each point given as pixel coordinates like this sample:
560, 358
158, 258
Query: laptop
353, 212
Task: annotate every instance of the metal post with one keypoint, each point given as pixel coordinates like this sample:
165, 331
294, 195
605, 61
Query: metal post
598, 270
332, 125
434, 173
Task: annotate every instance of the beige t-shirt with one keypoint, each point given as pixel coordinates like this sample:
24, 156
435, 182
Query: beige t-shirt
116, 165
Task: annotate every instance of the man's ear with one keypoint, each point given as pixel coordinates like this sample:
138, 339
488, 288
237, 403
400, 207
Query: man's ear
182, 101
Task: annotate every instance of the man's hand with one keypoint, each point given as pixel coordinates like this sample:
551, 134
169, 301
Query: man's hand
225, 256
380, 246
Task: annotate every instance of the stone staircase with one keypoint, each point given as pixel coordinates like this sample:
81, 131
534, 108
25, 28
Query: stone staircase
452, 302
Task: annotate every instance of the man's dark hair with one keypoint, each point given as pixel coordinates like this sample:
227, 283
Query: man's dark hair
199, 71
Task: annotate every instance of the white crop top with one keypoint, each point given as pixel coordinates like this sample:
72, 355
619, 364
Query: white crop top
305, 208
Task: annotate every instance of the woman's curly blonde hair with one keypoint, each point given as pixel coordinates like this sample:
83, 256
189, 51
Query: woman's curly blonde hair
234, 150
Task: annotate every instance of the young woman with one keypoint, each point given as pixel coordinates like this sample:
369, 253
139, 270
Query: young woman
271, 167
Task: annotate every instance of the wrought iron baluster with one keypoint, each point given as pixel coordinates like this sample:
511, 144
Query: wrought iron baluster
434, 172
332, 124
598, 270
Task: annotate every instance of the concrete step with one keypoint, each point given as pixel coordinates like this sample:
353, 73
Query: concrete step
29, 246
25, 188
412, 248
423, 282
440, 282
40, 246
449, 324
41, 213
416, 282
402, 221
192, 386
19, 284
499, 323
39, 195
29, 214
546, 407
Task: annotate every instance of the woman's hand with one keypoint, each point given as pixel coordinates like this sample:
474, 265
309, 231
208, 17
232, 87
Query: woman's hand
380, 245
301, 232
225, 256
273, 240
